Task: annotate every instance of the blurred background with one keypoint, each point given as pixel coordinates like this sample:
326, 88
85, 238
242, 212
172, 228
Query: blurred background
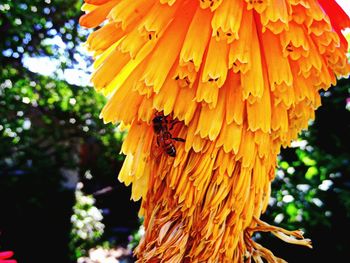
60, 200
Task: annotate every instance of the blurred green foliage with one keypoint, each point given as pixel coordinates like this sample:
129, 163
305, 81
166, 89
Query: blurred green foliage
27, 26
312, 186
40, 114
50, 130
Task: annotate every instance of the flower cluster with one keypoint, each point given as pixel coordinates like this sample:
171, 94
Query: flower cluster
241, 78
87, 226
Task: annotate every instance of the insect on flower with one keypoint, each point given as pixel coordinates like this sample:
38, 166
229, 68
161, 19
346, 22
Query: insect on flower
162, 125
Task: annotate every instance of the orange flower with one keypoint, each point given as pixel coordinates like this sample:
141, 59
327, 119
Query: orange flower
209, 91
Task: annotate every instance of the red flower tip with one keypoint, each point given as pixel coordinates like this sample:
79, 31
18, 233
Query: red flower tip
5, 255
339, 19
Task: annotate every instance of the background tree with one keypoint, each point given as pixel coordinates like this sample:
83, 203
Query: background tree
51, 135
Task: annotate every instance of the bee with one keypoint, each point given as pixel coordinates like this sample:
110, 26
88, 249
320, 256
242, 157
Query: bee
164, 140
162, 125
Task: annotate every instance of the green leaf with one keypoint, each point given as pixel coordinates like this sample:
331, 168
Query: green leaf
311, 172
